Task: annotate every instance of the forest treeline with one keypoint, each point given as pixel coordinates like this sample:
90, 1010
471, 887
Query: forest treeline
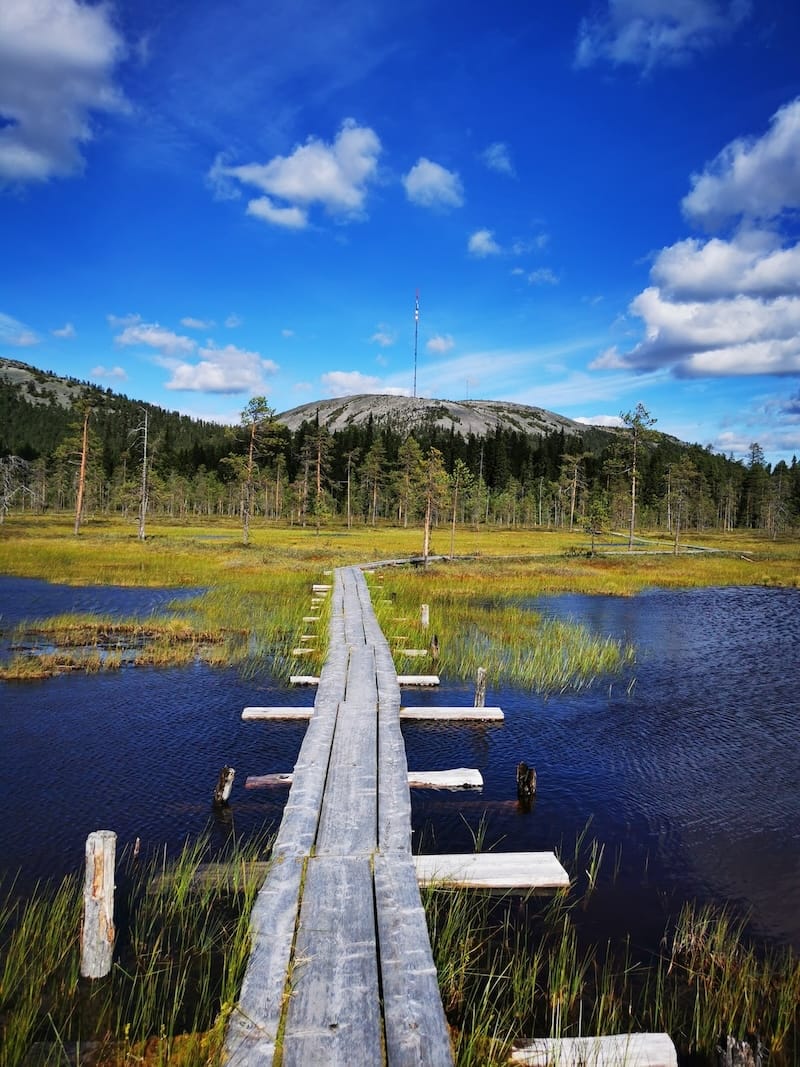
105, 453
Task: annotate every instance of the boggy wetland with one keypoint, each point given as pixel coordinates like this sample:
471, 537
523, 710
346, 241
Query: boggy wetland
657, 697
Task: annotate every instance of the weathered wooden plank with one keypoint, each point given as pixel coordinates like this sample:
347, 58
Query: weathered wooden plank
452, 714
494, 870
279, 713
334, 1015
252, 1030
615, 1050
321, 587
457, 778
414, 1020
417, 679
303, 679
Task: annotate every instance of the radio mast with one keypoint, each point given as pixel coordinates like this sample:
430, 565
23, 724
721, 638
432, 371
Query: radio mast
416, 336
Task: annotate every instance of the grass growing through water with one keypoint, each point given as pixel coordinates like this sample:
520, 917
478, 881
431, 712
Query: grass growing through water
512, 968
183, 944
477, 627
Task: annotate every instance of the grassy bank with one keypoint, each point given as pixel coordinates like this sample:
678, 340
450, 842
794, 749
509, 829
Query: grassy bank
182, 947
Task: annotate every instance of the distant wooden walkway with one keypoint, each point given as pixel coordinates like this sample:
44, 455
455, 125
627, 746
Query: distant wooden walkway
341, 971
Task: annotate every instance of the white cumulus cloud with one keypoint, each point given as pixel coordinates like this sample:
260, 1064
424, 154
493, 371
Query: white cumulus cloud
66, 331
57, 59
655, 33
335, 176
222, 370
431, 185
482, 244
729, 305
755, 178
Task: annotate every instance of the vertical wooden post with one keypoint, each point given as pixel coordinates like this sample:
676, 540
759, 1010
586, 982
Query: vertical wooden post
480, 688
224, 785
425, 616
97, 936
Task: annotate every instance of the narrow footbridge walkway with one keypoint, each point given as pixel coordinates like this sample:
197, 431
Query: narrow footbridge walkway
341, 971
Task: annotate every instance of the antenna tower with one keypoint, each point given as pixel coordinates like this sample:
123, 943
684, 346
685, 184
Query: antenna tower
416, 336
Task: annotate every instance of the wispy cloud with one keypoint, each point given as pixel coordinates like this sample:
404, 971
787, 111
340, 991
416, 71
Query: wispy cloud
431, 185
57, 61
543, 276
65, 332
440, 344
152, 335
353, 382
109, 373
197, 324
16, 333
498, 158
383, 337
233, 321
657, 33
335, 176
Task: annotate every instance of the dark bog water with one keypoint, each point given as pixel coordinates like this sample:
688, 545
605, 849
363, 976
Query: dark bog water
688, 767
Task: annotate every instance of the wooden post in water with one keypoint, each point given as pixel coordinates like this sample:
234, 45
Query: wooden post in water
480, 688
97, 935
224, 785
425, 616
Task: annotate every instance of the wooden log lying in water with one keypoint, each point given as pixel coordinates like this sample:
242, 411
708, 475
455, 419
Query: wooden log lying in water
616, 1050
97, 935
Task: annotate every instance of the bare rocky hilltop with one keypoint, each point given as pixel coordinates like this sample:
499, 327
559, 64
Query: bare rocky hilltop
404, 413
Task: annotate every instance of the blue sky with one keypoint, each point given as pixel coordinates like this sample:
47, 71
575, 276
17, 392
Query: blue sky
598, 203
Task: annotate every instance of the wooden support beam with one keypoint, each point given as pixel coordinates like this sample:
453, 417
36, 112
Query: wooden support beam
494, 870
457, 778
254, 714
304, 679
451, 714
413, 651
615, 1050
418, 680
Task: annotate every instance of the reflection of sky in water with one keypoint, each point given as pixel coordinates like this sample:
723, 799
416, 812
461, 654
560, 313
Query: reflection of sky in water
694, 772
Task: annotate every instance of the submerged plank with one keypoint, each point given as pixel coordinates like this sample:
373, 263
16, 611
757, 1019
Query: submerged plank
615, 1050
494, 870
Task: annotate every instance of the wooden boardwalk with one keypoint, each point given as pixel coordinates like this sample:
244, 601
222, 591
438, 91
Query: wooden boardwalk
341, 971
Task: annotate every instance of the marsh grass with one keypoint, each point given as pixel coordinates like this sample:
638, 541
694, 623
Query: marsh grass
513, 968
475, 626
181, 951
